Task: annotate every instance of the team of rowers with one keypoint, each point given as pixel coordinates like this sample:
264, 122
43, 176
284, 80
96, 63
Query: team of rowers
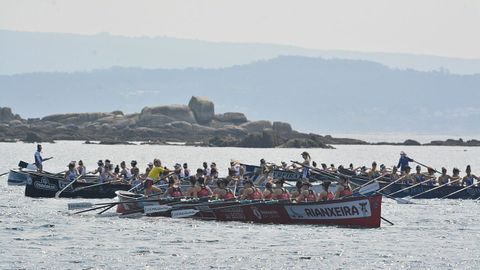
157, 179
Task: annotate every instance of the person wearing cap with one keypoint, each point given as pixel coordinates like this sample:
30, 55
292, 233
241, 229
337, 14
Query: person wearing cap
72, 173
403, 161
306, 193
39, 159
325, 194
81, 169
444, 178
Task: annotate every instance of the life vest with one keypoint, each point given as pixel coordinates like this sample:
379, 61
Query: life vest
327, 197
269, 196
255, 195
229, 195
203, 192
469, 180
175, 192
283, 196
346, 191
311, 196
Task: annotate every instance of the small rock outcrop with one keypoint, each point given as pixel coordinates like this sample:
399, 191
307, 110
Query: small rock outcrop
282, 128
6, 115
257, 126
234, 118
202, 108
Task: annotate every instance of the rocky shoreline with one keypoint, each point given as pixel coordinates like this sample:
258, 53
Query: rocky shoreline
193, 124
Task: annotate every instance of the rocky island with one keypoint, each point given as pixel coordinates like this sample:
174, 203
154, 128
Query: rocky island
194, 124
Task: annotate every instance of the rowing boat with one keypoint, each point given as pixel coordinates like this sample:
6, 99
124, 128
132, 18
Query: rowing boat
354, 211
423, 190
45, 185
17, 178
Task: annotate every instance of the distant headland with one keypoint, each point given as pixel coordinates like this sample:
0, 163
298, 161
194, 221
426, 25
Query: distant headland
192, 124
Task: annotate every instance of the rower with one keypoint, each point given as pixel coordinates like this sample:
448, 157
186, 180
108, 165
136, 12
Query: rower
133, 165
81, 169
403, 161
100, 169
250, 192
136, 181
314, 164
264, 171
107, 174
202, 190
185, 173
306, 164
173, 190
307, 194
39, 159
444, 178
468, 179
343, 188
125, 172
418, 176
325, 194
153, 176
298, 189
373, 173
213, 170
324, 166
332, 168
455, 177
222, 192
72, 173
192, 189
407, 176
279, 192
268, 191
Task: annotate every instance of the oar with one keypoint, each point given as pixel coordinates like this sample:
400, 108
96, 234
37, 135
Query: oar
421, 164
446, 196
398, 200
96, 185
57, 195
369, 182
4, 173
435, 188
407, 188
396, 181
92, 209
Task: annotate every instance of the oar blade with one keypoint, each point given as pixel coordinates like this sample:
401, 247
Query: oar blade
369, 189
184, 213
151, 209
403, 201
79, 205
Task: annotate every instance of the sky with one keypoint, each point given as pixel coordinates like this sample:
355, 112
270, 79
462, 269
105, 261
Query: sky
442, 27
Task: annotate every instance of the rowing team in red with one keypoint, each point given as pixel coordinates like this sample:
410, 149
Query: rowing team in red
273, 191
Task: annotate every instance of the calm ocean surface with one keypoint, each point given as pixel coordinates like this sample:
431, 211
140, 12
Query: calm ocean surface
42, 234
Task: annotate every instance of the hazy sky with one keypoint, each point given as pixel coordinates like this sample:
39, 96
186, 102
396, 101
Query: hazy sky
442, 27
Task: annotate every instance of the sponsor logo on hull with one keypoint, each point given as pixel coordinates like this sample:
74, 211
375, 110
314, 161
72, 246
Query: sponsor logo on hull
44, 184
343, 210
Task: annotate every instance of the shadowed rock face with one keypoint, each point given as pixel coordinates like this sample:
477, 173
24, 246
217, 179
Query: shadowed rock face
202, 108
6, 115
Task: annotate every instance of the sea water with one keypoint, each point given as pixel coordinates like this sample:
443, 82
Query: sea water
43, 234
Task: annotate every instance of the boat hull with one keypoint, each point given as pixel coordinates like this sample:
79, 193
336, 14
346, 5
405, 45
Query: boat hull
355, 212
41, 185
17, 178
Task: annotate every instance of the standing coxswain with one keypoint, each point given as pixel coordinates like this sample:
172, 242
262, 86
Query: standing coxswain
39, 159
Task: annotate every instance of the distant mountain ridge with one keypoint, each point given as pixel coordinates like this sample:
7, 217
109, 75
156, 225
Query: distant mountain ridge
314, 94
26, 52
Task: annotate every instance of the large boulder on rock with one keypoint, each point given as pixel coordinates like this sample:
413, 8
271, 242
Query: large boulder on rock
235, 118
256, 126
175, 112
202, 108
282, 128
6, 115
267, 139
